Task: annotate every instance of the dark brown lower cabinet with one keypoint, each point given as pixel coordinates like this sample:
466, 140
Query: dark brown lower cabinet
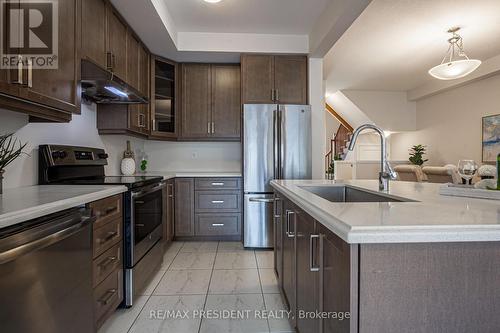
383, 288
337, 266
278, 238
168, 228
184, 207
307, 273
208, 209
289, 258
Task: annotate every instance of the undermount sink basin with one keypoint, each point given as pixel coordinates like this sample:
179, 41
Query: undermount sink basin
349, 194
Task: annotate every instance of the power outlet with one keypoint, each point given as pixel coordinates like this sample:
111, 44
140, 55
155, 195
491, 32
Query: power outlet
194, 155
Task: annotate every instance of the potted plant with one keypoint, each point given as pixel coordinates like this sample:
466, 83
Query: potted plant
10, 149
417, 153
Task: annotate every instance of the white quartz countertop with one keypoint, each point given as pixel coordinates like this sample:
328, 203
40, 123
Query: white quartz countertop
430, 218
26, 203
192, 174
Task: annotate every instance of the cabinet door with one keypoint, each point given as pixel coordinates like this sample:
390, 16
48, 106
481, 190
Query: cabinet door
168, 230
196, 108
257, 72
94, 31
290, 75
117, 41
144, 80
307, 272
335, 277
58, 87
289, 258
132, 60
163, 106
226, 102
184, 207
278, 238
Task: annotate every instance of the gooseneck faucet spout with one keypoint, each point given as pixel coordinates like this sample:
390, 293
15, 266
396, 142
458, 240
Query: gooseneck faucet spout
386, 171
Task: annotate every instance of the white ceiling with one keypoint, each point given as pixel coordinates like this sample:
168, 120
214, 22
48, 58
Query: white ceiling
393, 43
246, 16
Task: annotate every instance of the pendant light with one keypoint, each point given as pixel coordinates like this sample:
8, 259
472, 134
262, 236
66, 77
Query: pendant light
456, 63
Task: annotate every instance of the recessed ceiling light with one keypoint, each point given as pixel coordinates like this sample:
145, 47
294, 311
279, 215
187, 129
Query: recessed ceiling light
212, 1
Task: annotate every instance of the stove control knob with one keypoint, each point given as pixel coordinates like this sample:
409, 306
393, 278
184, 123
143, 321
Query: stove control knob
103, 156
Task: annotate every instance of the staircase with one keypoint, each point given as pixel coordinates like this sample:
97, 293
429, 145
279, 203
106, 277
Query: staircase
338, 145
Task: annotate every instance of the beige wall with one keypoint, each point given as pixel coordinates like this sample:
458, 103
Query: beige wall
449, 123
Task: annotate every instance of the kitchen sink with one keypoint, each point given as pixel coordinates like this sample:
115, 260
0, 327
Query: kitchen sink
349, 194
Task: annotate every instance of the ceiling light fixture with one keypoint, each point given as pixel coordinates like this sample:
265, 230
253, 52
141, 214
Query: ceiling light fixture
212, 1
456, 63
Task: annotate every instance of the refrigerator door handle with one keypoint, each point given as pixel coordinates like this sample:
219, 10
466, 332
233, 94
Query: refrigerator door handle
281, 142
276, 151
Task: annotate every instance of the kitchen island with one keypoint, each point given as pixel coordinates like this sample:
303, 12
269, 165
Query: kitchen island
406, 260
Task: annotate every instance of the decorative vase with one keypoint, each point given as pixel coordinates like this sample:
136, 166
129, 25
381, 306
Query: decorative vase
128, 166
1, 181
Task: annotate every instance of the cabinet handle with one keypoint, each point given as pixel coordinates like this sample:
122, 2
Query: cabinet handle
30, 73
114, 61
208, 127
311, 253
142, 120
272, 95
217, 201
19, 70
217, 184
108, 295
288, 232
108, 61
107, 262
154, 124
109, 236
217, 224
213, 128
277, 95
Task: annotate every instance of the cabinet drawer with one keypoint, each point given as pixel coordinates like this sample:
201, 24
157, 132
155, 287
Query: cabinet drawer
106, 263
107, 236
106, 210
107, 296
218, 224
217, 183
222, 202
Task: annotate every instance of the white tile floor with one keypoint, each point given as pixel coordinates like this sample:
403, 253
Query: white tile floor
210, 276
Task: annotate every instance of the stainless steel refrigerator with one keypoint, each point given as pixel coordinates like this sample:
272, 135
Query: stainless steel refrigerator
276, 145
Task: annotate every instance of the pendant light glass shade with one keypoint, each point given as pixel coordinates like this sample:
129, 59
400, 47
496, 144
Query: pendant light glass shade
456, 63
455, 69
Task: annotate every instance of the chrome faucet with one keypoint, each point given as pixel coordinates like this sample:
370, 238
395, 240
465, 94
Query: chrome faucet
386, 171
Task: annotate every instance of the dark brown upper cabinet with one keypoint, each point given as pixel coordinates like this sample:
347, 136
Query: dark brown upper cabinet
226, 102
274, 79
47, 94
164, 101
133, 63
116, 54
211, 102
257, 79
290, 79
196, 101
94, 31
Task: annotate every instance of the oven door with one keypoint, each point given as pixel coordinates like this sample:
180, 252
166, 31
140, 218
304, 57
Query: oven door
146, 220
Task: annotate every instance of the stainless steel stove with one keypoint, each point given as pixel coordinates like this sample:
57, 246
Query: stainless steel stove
143, 206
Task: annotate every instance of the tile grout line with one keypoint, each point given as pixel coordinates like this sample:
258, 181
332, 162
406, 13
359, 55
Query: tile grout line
209, 282
149, 296
262, 290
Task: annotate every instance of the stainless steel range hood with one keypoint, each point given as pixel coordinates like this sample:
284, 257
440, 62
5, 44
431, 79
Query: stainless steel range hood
103, 87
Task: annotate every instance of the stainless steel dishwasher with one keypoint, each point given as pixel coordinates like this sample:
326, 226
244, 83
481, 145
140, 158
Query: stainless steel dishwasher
46, 274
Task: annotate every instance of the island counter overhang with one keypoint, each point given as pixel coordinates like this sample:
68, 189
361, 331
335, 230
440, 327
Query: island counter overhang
426, 217
430, 265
